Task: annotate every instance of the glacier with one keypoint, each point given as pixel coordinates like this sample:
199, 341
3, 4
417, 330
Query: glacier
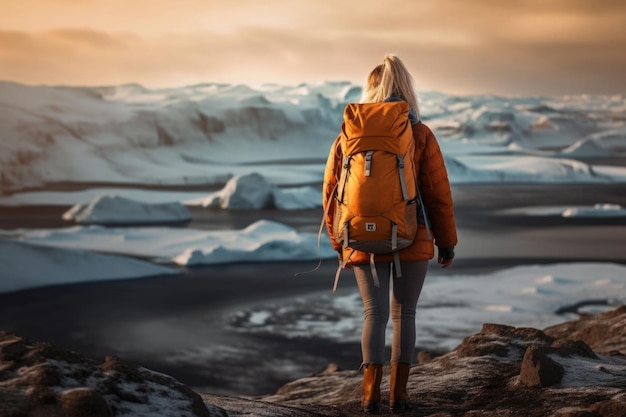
209, 133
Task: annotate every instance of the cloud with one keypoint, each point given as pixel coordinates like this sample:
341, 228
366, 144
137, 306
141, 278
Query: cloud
525, 47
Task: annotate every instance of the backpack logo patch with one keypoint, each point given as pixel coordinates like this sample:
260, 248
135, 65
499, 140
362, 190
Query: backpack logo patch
370, 227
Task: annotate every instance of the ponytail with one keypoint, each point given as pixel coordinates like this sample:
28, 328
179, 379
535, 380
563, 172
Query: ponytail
390, 79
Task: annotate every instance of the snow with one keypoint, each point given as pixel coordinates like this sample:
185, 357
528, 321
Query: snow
243, 192
452, 307
253, 192
208, 133
526, 169
70, 198
265, 147
27, 266
109, 209
598, 210
589, 147
292, 198
298, 198
263, 240
134, 398
587, 372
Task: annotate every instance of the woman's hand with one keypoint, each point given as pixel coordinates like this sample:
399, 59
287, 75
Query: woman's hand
445, 257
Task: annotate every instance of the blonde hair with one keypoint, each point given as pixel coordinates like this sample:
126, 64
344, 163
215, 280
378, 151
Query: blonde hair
390, 79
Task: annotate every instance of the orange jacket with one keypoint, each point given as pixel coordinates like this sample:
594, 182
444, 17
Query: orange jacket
435, 189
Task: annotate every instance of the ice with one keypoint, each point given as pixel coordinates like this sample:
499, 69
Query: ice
27, 266
208, 133
598, 210
254, 192
117, 210
261, 241
265, 147
452, 307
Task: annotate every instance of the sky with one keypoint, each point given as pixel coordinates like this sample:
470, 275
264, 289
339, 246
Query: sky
522, 47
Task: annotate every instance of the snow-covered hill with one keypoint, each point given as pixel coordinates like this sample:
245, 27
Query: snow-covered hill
207, 133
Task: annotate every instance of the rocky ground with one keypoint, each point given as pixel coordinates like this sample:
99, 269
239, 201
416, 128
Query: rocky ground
576, 369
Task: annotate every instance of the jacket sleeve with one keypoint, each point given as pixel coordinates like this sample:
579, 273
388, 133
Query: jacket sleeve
436, 193
329, 187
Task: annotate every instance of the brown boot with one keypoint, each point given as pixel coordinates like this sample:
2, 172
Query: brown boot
398, 396
372, 375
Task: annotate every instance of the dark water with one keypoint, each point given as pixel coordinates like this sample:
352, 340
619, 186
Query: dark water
183, 325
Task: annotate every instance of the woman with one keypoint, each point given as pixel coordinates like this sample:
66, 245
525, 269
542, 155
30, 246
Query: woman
391, 81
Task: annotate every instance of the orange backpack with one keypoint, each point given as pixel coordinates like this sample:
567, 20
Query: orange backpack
375, 200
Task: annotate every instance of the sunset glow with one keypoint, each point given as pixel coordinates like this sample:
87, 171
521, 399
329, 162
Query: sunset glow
527, 47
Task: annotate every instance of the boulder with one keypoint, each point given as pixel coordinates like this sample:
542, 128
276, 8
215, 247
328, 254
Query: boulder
501, 371
562, 371
38, 379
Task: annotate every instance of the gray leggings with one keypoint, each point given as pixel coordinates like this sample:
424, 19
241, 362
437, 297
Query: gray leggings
406, 291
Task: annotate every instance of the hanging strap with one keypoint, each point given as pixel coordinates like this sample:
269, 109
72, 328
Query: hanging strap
396, 263
394, 248
426, 220
329, 203
368, 163
374, 273
341, 266
405, 194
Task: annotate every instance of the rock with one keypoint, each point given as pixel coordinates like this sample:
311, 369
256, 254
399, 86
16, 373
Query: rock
332, 367
615, 407
84, 402
538, 369
563, 371
493, 339
500, 371
569, 347
424, 356
11, 348
38, 379
604, 333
